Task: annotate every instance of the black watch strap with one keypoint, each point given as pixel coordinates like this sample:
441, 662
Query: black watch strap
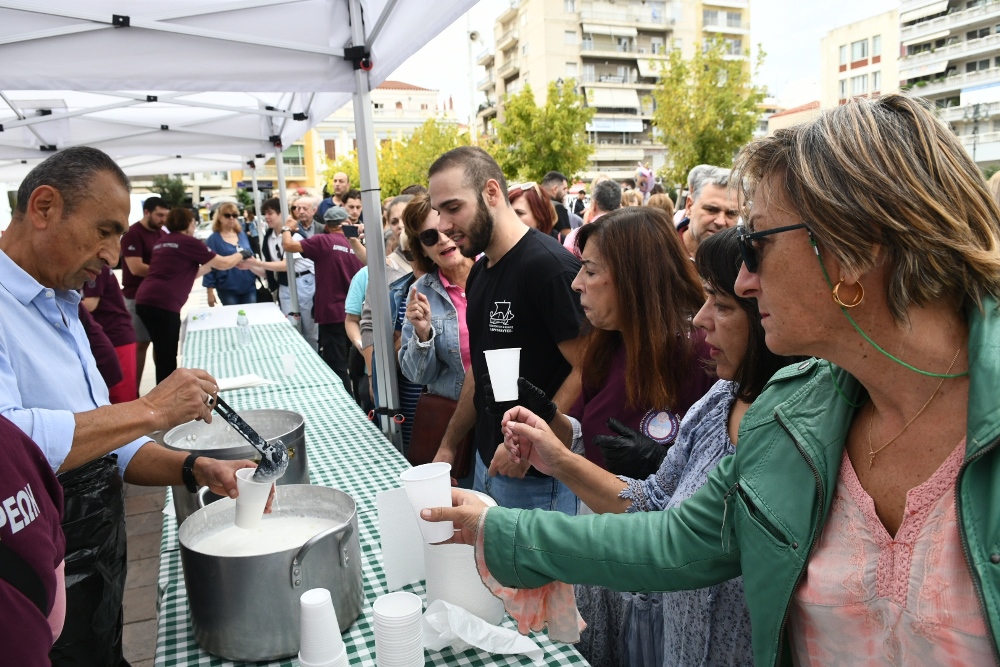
187, 473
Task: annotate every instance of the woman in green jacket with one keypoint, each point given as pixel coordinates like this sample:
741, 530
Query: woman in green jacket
861, 505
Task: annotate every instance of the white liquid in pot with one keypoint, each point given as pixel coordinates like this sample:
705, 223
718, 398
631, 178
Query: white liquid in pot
271, 536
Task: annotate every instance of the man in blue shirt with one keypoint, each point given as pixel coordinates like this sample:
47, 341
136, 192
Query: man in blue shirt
71, 211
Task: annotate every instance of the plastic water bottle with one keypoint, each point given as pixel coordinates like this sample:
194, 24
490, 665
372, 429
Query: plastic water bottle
243, 324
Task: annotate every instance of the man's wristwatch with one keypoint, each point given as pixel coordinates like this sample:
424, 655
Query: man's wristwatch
285, 228
187, 473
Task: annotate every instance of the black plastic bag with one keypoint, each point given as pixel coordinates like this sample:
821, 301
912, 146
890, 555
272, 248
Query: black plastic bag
94, 524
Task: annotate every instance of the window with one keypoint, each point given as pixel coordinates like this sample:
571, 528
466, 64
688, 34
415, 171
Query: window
996, 125
876, 82
589, 73
843, 54
571, 70
710, 17
734, 47
423, 107
859, 50
524, 49
859, 84
378, 105
996, 61
622, 73
876, 45
295, 155
842, 89
569, 6
973, 3
656, 46
978, 34
330, 147
569, 37
734, 20
977, 66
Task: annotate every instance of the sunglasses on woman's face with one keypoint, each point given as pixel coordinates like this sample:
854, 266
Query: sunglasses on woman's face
230, 215
430, 237
747, 239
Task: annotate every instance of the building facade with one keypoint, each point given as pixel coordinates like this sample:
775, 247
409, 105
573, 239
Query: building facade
612, 49
860, 59
950, 55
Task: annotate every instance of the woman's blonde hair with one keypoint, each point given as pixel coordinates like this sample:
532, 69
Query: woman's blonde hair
631, 198
884, 180
663, 202
227, 207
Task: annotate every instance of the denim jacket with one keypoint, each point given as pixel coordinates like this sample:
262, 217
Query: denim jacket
438, 362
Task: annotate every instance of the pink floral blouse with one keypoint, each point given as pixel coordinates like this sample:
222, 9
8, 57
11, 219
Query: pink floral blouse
871, 599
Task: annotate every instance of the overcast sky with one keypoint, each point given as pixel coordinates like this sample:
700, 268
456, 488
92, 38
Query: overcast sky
789, 32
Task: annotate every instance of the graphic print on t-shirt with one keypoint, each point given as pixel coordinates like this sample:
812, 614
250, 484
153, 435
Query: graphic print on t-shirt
661, 426
500, 317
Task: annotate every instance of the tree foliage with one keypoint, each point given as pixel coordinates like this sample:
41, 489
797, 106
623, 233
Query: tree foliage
533, 140
402, 162
170, 188
706, 108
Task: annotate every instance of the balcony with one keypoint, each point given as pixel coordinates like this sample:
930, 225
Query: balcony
509, 69
728, 4
487, 110
409, 114
964, 113
953, 21
485, 58
740, 28
509, 13
507, 39
963, 49
488, 83
270, 173
607, 50
629, 15
956, 82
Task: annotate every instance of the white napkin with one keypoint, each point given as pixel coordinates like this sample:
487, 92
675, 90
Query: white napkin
445, 624
242, 382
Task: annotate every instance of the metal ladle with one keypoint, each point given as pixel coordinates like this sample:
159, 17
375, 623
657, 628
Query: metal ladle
273, 456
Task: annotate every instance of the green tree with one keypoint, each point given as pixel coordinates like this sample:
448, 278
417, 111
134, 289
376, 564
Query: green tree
244, 197
170, 188
403, 162
706, 108
533, 140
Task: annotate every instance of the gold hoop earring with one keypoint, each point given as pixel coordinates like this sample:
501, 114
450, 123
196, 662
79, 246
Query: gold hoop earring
836, 296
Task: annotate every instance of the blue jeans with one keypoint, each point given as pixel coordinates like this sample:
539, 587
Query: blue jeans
230, 298
546, 493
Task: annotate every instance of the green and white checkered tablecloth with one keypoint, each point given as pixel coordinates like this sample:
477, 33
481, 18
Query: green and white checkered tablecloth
345, 451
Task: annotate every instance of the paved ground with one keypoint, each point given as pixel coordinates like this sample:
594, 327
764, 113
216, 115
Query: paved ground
144, 521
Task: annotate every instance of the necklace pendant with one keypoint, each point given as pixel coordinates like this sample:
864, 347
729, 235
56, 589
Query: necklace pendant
871, 459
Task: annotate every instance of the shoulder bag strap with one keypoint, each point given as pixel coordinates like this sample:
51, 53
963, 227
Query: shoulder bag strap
16, 572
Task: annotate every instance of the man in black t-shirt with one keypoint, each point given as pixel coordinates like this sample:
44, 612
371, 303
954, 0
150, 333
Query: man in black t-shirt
554, 186
519, 295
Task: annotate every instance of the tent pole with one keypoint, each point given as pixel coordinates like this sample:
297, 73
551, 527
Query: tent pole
258, 219
279, 163
383, 358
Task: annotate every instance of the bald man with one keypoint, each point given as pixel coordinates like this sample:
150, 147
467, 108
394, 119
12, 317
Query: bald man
341, 185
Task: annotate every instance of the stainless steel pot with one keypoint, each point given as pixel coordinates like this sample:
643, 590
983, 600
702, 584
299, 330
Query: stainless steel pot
218, 440
247, 607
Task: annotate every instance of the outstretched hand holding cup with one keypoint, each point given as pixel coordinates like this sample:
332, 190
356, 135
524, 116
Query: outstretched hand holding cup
465, 512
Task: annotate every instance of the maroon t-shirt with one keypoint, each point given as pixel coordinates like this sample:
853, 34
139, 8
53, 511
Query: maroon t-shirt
31, 503
137, 242
108, 364
172, 270
661, 423
336, 265
111, 313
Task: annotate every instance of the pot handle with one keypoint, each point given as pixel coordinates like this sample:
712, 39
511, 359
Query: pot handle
345, 529
201, 496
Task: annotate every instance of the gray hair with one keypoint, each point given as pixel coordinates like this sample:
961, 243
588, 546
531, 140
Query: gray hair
607, 196
706, 174
71, 172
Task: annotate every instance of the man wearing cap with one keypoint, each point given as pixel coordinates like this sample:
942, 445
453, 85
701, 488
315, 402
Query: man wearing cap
335, 265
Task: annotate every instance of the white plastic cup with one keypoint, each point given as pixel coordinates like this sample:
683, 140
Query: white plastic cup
288, 363
320, 643
429, 485
505, 367
252, 499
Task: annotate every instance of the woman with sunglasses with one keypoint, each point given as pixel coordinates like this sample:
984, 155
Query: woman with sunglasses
860, 506
233, 286
533, 208
434, 350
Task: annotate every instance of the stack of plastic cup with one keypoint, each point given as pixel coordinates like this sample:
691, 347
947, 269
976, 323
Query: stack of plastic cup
429, 485
320, 643
252, 498
398, 637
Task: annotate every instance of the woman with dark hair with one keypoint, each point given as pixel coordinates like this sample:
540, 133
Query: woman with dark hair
533, 208
233, 286
176, 261
643, 363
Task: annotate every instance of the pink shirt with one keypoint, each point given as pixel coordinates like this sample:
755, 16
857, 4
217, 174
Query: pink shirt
871, 599
457, 296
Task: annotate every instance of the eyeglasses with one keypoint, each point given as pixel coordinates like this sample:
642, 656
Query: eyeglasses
230, 215
747, 248
430, 237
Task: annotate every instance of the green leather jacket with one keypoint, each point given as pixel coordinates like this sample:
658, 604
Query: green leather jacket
762, 509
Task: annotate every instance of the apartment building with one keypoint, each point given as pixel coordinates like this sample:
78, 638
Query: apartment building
950, 55
612, 49
860, 60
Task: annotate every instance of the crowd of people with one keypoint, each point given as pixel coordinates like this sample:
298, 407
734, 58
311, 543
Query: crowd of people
735, 456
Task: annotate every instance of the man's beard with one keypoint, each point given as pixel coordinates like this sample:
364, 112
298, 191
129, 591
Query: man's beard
480, 232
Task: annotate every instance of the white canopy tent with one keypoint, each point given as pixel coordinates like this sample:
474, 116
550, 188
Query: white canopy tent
160, 86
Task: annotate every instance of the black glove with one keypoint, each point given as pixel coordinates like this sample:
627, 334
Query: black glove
629, 453
529, 396
245, 254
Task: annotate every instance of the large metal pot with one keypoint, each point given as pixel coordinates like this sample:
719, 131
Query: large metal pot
247, 607
219, 440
